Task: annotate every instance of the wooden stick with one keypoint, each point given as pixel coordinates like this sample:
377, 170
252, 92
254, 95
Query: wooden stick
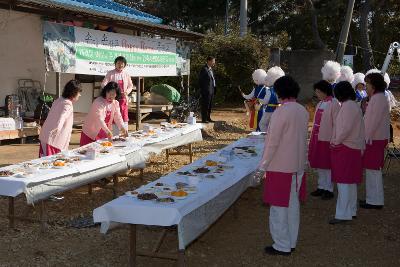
132, 245
11, 212
181, 258
157, 255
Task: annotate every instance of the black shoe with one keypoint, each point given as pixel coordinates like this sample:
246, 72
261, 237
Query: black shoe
271, 251
327, 195
371, 207
354, 217
317, 193
361, 202
210, 120
204, 121
337, 221
292, 249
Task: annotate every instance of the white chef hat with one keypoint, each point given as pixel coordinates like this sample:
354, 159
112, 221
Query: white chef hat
330, 71
358, 78
273, 74
346, 74
259, 76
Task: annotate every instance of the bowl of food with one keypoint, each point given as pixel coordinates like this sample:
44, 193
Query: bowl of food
59, 164
180, 194
106, 144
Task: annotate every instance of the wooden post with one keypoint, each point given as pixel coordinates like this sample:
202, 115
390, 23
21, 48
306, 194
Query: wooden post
43, 216
191, 153
11, 212
132, 245
138, 114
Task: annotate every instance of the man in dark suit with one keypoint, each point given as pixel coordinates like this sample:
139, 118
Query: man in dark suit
207, 89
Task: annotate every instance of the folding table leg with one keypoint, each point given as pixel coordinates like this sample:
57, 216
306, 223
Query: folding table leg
181, 258
43, 216
132, 245
11, 212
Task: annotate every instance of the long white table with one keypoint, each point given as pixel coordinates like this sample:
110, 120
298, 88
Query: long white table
47, 182
193, 215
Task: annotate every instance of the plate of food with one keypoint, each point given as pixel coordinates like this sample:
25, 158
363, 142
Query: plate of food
82, 151
180, 185
104, 151
180, 194
106, 144
202, 170
119, 139
6, 173
211, 163
59, 164
147, 196
165, 200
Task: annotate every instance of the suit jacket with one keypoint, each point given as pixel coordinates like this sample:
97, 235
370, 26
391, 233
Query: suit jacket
206, 82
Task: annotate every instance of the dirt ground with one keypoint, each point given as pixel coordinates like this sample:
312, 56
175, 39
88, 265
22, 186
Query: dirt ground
373, 239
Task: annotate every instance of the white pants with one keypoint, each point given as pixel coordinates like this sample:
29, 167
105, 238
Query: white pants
325, 179
265, 119
374, 187
116, 129
284, 222
346, 205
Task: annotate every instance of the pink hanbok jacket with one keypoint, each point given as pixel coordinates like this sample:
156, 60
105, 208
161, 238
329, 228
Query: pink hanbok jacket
328, 120
112, 76
95, 119
349, 126
286, 140
377, 118
61, 117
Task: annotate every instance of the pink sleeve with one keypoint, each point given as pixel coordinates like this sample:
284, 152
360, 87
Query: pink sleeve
117, 115
106, 79
272, 140
65, 114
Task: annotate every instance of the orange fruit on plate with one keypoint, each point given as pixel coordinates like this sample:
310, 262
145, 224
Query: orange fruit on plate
179, 193
107, 144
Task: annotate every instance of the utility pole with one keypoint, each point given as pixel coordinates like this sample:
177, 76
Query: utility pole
345, 32
243, 18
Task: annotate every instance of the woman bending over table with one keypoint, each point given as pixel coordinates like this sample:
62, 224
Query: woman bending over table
56, 131
103, 112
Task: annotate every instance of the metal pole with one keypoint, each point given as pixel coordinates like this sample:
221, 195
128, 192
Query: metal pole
226, 17
243, 18
345, 32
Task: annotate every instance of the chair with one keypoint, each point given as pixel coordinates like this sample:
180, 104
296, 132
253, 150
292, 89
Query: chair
392, 153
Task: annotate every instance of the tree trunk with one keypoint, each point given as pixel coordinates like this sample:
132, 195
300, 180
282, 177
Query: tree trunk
368, 58
319, 44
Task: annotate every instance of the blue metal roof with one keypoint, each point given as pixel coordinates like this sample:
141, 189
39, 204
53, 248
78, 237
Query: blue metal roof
108, 8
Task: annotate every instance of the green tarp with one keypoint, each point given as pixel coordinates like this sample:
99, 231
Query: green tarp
166, 91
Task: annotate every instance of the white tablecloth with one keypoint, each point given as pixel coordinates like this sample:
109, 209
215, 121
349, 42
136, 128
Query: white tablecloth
134, 155
126, 209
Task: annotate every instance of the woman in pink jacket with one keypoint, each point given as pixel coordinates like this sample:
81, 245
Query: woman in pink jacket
124, 82
346, 149
377, 132
319, 153
104, 111
56, 131
284, 161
